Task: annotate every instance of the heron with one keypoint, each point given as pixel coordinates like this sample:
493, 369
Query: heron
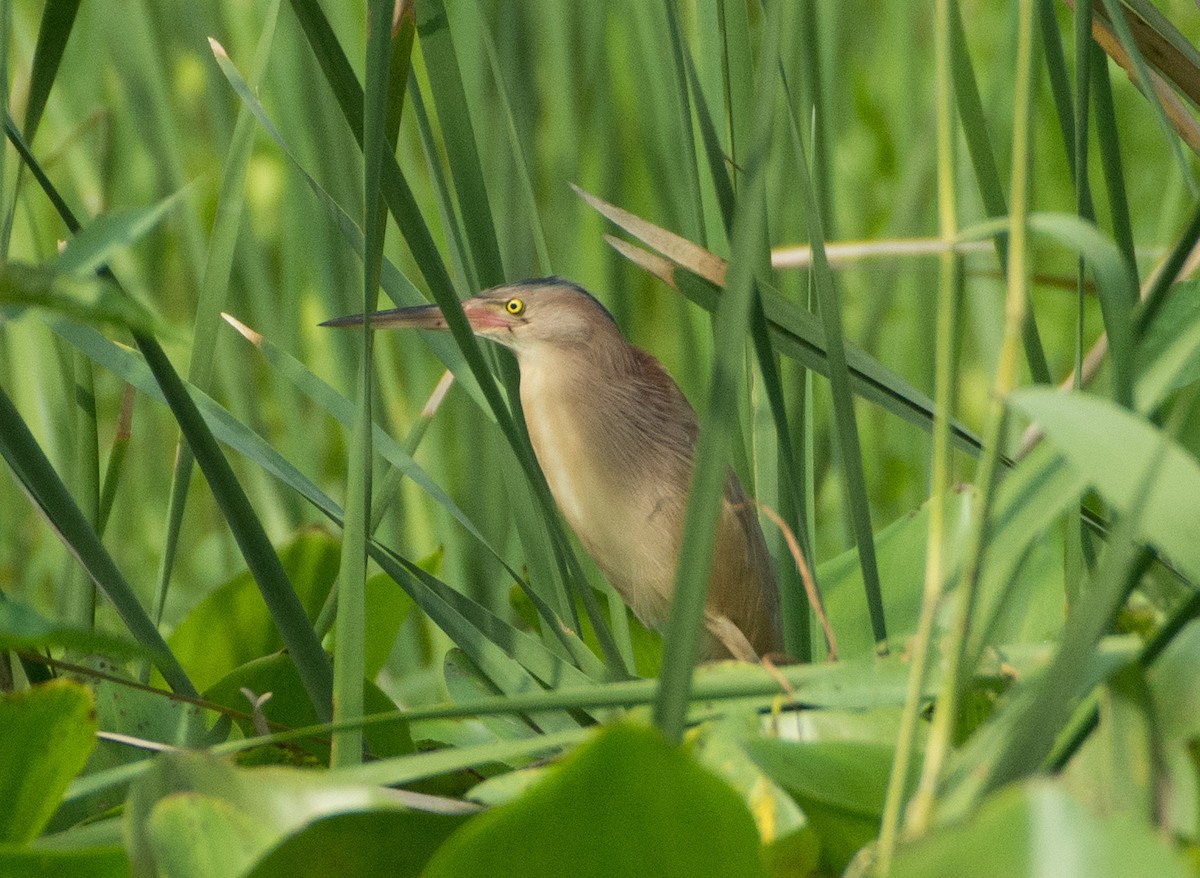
616, 437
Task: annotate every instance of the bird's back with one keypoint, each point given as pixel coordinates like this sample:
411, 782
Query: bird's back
617, 448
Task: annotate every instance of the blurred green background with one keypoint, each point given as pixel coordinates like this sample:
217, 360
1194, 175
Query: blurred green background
140, 111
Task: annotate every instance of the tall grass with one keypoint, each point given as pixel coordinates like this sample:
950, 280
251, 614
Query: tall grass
311, 157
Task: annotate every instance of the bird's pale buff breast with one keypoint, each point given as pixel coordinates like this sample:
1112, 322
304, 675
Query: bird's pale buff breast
600, 501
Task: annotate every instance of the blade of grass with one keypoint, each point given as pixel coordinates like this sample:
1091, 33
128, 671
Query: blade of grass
519, 158
1110, 154
946, 714
679, 110
79, 592
402, 204
458, 136
58, 19
116, 459
949, 289
46, 490
456, 242
214, 286
843, 400
350, 657
247, 529
1116, 17
987, 176
749, 245
794, 600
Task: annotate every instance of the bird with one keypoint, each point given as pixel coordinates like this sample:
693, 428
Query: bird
616, 437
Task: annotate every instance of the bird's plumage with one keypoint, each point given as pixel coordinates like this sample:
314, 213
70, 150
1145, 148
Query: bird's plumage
615, 438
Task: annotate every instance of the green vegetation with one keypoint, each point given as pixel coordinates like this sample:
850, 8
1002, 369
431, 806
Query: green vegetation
333, 586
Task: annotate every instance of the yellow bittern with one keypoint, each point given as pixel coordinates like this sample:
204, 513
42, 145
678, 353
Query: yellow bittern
615, 438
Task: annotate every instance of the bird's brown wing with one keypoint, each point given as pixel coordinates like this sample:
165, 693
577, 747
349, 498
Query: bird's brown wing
743, 587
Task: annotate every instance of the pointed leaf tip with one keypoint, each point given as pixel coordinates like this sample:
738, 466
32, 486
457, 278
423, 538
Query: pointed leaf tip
249, 334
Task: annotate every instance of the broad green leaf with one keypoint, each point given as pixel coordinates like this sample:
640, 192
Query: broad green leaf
718, 745
397, 844
22, 627
625, 803
196, 836
1113, 450
1037, 829
232, 625
19, 861
900, 548
125, 708
839, 785
290, 708
48, 732
246, 810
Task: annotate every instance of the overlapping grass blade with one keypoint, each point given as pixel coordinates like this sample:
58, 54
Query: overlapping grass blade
214, 287
247, 529
749, 247
350, 648
987, 176
39, 480
796, 333
1110, 154
462, 618
1116, 17
402, 204
857, 502
58, 19
794, 606
1115, 284
458, 137
519, 158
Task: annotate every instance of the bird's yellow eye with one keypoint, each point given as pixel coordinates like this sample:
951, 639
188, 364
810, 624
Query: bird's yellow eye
514, 306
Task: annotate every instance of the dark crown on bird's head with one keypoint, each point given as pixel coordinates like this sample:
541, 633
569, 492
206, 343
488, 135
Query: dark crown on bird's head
536, 285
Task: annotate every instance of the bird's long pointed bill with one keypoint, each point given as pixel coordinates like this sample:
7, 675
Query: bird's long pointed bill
419, 317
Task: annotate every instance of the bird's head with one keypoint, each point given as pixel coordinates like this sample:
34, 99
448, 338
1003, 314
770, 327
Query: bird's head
523, 316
